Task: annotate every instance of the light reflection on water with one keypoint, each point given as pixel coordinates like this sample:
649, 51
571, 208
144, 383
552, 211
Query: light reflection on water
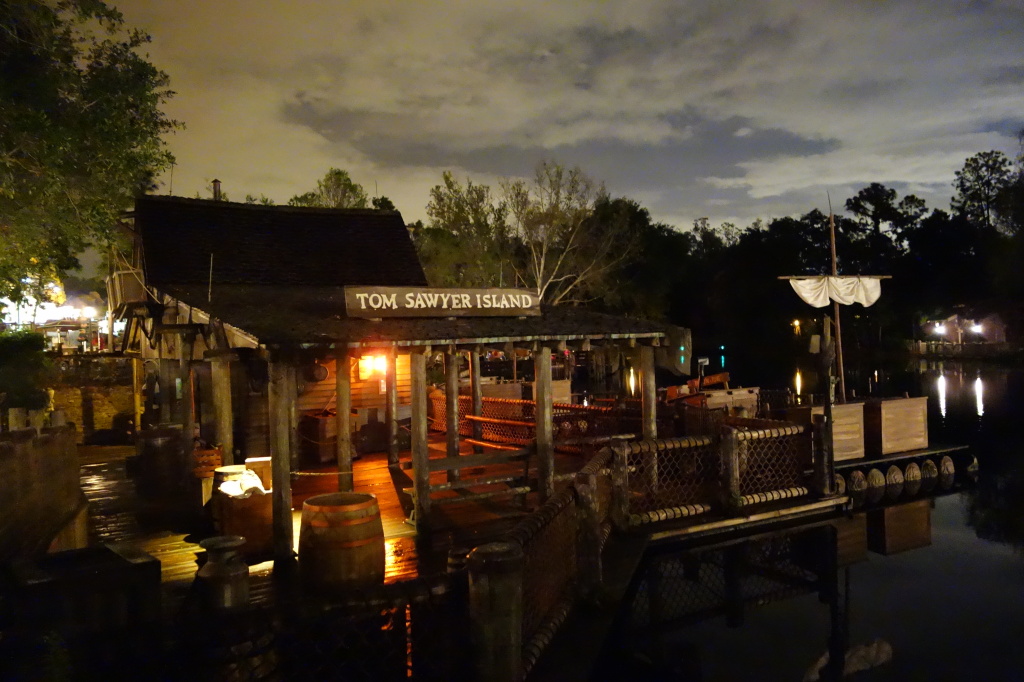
978, 396
940, 384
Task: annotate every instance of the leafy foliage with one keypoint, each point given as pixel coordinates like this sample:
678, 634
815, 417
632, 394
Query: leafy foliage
81, 133
24, 370
467, 241
336, 189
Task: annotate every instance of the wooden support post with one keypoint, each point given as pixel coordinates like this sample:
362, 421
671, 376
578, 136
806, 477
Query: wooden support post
620, 487
391, 405
166, 379
496, 611
451, 401
185, 405
138, 380
837, 594
293, 415
731, 470
648, 394
420, 453
822, 456
545, 419
478, 396
280, 459
343, 405
588, 536
220, 380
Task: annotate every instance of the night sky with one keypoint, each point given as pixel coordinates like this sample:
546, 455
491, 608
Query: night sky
730, 110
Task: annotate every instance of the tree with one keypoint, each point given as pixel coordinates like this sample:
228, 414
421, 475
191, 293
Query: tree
81, 132
567, 254
383, 203
335, 190
979, 185
467, 241
876, 204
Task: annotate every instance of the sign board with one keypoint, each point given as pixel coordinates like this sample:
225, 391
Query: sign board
373, 302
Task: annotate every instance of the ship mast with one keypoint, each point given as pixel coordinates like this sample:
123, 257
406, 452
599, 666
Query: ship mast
841, 398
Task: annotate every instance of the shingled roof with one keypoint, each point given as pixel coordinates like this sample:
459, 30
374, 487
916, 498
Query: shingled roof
272, 245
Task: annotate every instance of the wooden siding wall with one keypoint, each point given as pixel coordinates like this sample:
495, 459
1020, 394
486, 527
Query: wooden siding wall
320, 395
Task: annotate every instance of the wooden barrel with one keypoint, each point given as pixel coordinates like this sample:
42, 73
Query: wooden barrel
341, 541
231, 472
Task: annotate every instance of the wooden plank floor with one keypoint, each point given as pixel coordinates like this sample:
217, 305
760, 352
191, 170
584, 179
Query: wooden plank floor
117, 514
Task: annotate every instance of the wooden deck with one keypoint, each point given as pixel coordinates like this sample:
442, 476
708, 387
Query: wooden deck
117, 514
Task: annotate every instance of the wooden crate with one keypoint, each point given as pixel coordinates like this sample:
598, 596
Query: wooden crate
895, 425
734, 399
900, 528
847, 429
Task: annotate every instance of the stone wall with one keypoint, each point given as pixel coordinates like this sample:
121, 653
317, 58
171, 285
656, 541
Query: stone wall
94, 408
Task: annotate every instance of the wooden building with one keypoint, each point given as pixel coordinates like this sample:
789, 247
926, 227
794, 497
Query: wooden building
246, 311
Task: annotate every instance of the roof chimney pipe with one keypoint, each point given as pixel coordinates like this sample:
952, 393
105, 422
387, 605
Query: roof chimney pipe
216, 190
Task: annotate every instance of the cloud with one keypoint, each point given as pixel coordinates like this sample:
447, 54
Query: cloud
701, 108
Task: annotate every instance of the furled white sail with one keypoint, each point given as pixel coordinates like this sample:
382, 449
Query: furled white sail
817, 291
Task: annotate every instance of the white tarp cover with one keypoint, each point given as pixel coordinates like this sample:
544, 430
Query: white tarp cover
817, 291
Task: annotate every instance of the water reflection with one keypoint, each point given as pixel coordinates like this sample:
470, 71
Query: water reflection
940, 386
978, 393
681, 599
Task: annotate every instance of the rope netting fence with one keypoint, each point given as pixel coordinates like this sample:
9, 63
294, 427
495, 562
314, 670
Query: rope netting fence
684, 588
568, 530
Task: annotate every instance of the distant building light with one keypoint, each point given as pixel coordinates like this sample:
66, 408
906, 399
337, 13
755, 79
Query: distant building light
940, 329
976, 328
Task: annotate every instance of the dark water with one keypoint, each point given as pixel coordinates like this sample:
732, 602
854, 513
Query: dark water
951, 611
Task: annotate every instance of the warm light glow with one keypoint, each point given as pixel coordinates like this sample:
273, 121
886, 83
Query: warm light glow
369, 365
796, 327
799, 382
941, 384
632, 382
977, 329
940, 329
978, 399
88, 312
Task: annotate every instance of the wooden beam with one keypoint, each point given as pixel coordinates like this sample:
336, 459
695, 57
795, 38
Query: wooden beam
280, 460
391, 404
420, 453
545, 415
343, 391
451, 396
